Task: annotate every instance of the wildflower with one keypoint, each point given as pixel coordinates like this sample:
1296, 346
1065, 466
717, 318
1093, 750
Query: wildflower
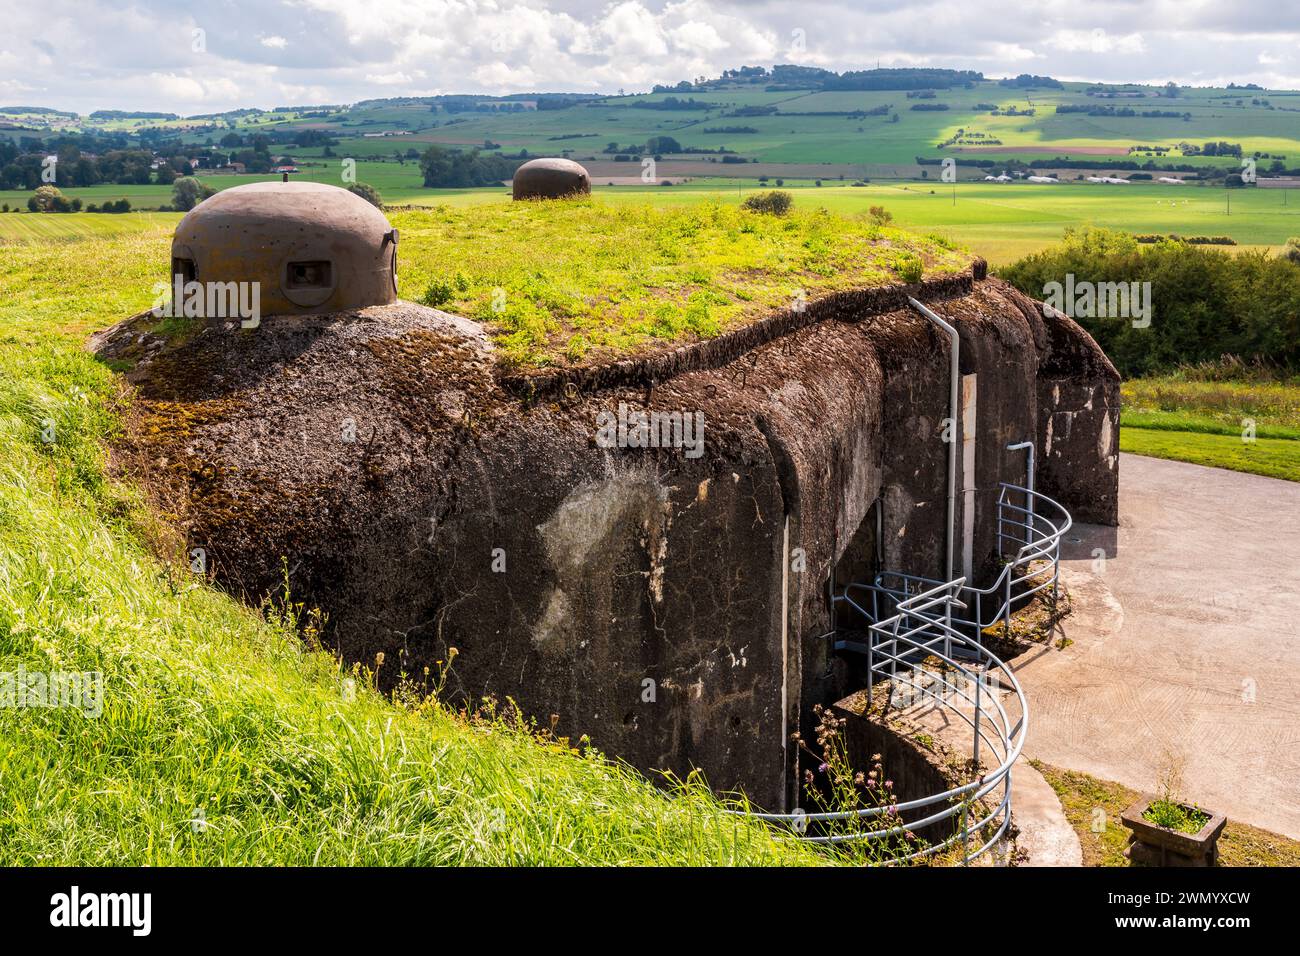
822, 768
889, 785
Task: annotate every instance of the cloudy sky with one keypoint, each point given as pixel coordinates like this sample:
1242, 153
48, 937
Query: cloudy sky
178, 56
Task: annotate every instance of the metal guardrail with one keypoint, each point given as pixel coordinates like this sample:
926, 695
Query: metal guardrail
1035, 527
914, 622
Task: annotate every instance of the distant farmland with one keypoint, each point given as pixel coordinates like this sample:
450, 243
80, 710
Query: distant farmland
1001, 222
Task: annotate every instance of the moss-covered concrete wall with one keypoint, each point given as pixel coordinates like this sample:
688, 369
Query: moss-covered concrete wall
672, 606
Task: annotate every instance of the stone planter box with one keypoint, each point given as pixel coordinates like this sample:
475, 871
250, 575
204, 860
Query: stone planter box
1154, 845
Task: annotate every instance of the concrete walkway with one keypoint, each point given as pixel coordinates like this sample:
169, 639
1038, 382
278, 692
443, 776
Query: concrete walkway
1186, 643
1045, 836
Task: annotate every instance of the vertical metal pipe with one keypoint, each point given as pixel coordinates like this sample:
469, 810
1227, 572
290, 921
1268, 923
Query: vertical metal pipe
1029, 483
954, 405
880, 535
954, 409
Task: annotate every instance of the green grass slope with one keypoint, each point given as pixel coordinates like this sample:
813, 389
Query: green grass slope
1241, 422
222, 740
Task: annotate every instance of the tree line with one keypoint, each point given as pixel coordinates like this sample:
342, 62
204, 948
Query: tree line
1206, 303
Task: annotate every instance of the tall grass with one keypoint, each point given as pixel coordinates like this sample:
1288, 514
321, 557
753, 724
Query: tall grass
1199, 393
223, 739
1223, 413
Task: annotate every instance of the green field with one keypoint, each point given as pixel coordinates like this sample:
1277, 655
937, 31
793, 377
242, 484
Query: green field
1275, 458
591, 280
51, 227
1260, 121
1001, 222
792, 136
1247, 424
801, 142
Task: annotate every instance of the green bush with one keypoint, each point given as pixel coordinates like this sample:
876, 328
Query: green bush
1175, 816
439, 292
188, 192
367, 192
1205, 303
46, 199
445, 168
909, 267
774, 202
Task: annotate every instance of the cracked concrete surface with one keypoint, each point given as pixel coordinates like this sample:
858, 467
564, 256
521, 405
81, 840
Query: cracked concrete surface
1186, 642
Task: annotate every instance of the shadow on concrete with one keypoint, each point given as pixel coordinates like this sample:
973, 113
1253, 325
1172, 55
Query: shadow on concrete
1082, 540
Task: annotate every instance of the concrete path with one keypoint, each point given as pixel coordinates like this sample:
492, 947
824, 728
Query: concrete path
1186, 643
1045, 836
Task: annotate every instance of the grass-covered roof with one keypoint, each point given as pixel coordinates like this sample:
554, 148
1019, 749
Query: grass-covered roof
560, 282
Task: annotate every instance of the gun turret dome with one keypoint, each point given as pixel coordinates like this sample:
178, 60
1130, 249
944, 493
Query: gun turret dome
312, 247
550, 179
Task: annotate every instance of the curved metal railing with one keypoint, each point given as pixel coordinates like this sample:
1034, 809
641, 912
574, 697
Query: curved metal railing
913, 652
1035, 527
929, 649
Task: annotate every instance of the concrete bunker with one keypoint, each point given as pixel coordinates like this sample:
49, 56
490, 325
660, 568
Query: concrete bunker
674, 608
550, 178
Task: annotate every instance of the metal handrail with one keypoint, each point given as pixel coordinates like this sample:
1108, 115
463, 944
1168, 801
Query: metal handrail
901, 640
1038, 539
923, 619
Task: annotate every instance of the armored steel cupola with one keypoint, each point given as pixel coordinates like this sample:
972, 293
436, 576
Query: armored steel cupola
550, 178
311, 247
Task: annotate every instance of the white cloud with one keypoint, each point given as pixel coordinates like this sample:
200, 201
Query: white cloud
632, 30
499, 76
174, 87
270, 52
1012, 53
390, 79
1096, 41
696, 37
